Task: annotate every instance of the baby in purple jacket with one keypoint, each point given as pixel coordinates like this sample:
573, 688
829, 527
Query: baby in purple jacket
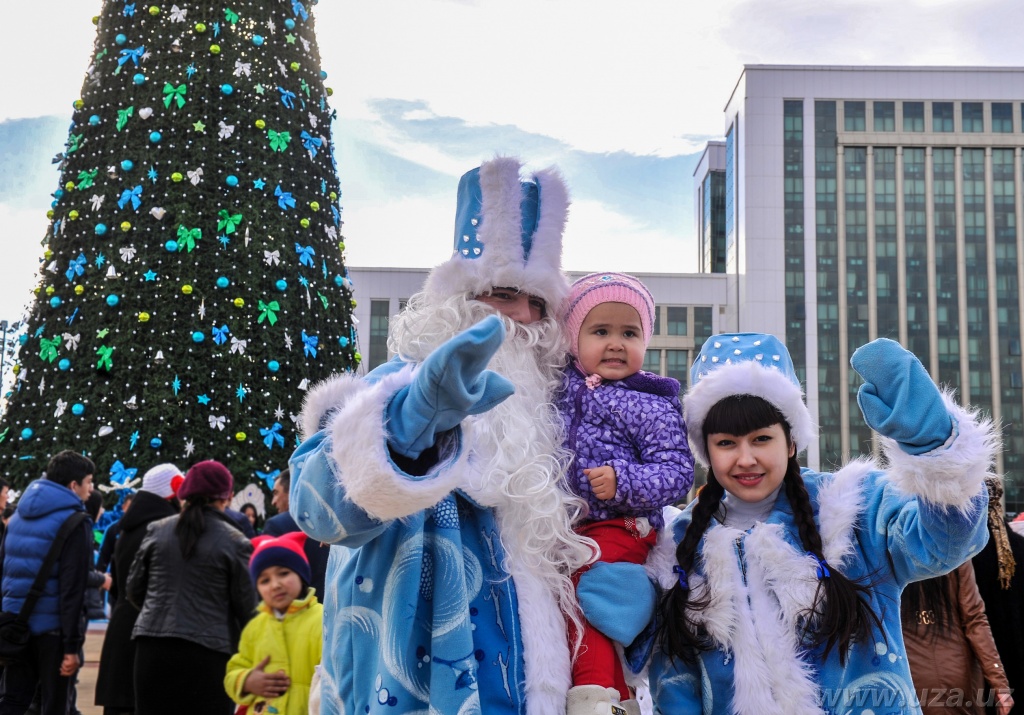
625, 428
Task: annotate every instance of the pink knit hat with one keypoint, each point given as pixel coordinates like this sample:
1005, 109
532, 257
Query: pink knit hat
590, 291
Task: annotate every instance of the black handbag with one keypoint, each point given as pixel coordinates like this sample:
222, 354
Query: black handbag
14, 632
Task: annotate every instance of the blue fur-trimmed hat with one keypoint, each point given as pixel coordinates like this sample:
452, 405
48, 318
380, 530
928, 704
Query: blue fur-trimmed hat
508, 233
755, 364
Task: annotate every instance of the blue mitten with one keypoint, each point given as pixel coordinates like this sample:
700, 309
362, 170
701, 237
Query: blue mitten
451, 384
899, 399
617, 598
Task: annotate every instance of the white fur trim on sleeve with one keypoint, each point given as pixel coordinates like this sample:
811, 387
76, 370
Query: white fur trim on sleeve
358, 446
951, 475
326, 397
840, 502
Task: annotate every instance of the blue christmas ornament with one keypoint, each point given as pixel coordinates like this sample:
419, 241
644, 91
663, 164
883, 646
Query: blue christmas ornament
23, 339
155, 137
323, 75
227, 89
94, 120
77, 409
58, 193
139, 78
198, 336
231, 180
101, 228
64, 364
273, 366
257, 40
127, 165
282, 285
171, 246
113, 300
27, 433
338, 280
120, 39
55, 302
155, 443
289, 23
223, 282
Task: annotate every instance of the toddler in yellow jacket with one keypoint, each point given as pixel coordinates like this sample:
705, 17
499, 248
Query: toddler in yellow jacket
281, 646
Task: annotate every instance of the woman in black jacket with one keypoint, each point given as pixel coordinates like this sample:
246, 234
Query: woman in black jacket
190, 580
156, 500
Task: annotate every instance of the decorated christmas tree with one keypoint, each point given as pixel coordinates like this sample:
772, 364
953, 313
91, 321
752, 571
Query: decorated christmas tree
193, 284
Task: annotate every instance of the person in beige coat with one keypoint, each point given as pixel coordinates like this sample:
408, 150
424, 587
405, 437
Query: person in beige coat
950, 647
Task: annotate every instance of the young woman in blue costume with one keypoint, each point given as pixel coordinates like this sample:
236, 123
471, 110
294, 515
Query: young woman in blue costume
784, 583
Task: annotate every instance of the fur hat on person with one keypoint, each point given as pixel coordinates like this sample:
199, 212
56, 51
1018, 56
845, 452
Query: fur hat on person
508, 233
592, 290
286, 550
160, 480
207, 479
754, 364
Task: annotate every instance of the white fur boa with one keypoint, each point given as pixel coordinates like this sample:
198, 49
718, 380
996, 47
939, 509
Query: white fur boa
950, 475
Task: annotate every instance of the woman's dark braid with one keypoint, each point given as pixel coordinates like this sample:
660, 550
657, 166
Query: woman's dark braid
803, 512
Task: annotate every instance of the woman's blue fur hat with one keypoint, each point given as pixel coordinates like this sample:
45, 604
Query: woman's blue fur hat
755, 364
508, 233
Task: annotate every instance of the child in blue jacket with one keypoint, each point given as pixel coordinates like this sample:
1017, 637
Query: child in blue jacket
784, 583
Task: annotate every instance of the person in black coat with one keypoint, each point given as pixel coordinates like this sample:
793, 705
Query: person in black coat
156, 500
999, 570
316, 552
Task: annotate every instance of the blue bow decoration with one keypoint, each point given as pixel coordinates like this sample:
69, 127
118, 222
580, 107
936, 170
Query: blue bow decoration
822, 569
299, 10
306, 254
120, 475
220, 335
270, 435
269, 477
309, 344
134, 196
287, 97
337, 214
133, 55
284, 198
681, 573
311, 142
75, 268
129, 10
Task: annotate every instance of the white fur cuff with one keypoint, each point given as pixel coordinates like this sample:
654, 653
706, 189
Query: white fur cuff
951, 475
358, 446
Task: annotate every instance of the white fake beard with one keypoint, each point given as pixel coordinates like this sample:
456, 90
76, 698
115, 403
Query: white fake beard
519, 463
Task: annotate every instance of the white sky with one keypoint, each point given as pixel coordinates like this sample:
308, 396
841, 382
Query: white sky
646, 77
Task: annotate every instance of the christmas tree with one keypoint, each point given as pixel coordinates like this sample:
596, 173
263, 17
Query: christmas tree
193, 285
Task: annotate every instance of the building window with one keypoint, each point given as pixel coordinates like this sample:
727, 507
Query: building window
379, 310
701, 326
1002, 117
942, 116
677, 366
853, 116
974, 117
402, 302
652, 361
885, 116
656, 328
913, 116
676, 320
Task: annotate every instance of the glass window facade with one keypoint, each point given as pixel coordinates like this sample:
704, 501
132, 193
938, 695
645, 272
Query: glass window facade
1002, 117
702, 327
657, 320
730, 192
855, 181
973, 117
676, 320
853, 116
915, 229
826, 254
944, 216
379, 316
942, 117
885, 116
976, 258
886, 261
677, 365
713, 228
913, 116
652, 361
793, 147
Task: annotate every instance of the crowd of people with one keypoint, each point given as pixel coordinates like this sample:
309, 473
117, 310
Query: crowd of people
488, 524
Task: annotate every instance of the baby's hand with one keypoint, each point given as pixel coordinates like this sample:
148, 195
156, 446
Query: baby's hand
264, 684
602, 481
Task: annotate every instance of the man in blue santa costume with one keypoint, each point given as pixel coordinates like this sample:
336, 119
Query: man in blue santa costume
437, 479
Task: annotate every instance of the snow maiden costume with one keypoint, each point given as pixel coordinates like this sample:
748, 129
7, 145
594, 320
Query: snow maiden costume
441, 494
921, 517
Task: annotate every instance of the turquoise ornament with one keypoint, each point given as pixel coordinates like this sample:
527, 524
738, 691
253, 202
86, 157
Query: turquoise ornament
113, 300
64, 364
78, 409
198, 337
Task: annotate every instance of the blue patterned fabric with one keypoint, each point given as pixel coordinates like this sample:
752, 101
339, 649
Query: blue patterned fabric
418, 610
